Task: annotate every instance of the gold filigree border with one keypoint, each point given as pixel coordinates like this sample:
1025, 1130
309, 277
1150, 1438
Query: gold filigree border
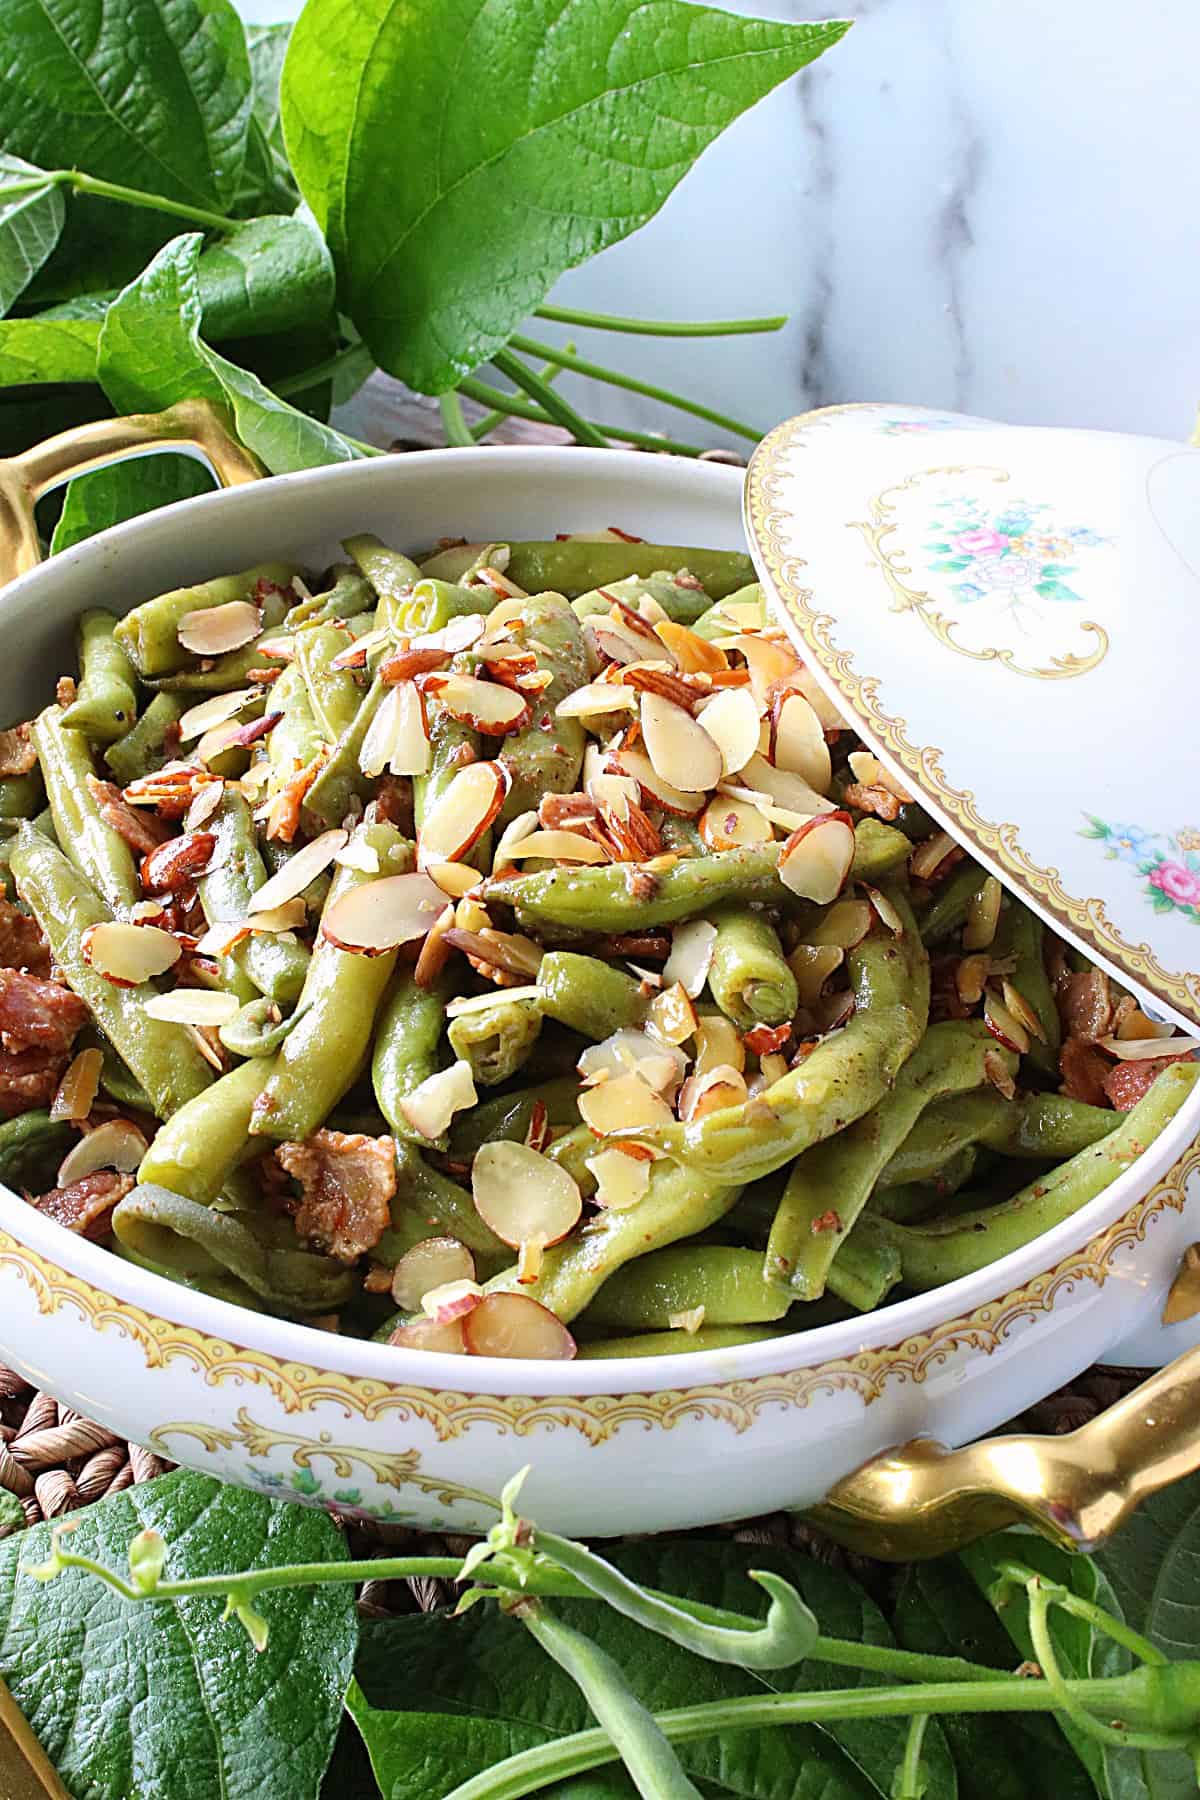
298, 1387
768, 518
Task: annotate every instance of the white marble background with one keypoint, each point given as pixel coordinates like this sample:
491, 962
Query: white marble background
985, 204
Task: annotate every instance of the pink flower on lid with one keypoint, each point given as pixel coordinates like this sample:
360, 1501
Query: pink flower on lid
981, 542
1177, 883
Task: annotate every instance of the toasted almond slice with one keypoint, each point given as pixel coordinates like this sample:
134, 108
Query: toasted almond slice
688, 1321
718, 1043
845, 924
215, 741
378, 916
1132, 1022
672, 1017
431, 1106
454, 878
772, 1068
613, 794
531, 1255
784, 787
427, 1334
79, 1086
679, 748
815, 861
454, 1300
1021, 1010
1142, 1049
983, 915
621, 1181
655, 790
397, 738
117, 1144
523, 826
459, 634
360, 855
812, 965
734, 824
471, 915
300, 870
798, 741
768, 663
712, 1092
222, 936
143, 910
514, 1325
691, 955
485, 706
463, 814
523, 1196
355, 655
193, 1006
288, 917
623, 1103
731, 719
885, 910
558, 846
431, 1264
868, 770
928, 856
595, 699
435, 951
129, 954
1002, 1025
659, 1064
472, 1003
215, 629
970, 977
213, 711
206, 803
693, 654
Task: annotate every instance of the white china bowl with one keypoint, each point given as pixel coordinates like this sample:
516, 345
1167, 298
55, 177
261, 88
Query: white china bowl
639, 1445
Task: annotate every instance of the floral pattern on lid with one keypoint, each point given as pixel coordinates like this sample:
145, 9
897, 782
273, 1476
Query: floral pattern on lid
1013, 554
1171, 864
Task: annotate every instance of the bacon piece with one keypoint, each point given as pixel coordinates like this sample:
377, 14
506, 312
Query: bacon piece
175, 864
17, 754
22, 942
65, 691
764, 1039
878, 800
38, 1015
1085, 1005
642, 946
86, 1206
1129, 1082
28, 1078
348, 1180
1084, 1071
139, 830
394, 802
169, 790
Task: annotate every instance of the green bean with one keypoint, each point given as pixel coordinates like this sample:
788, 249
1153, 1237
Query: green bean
334, 695
830, 1184
601, 898
105, 705
509, 1116
161, 1055
498, 1039
947, 910
97, 851
406, 1047
149, 635
1047, 1127
218, 674
21, 796
390, 573
716, 622
676, 1343
909, 1200
847, 1074
682, 835
452, 745
571, 1151
749, 977
428, 1204
265, 962
432, 604
574, 566
678, 1203
337, 789
863, 1274
946, 1250
321, 1058
1021, 935
259, 1251
256, 1029
191, 1267
728, 1284
545, 757
198, 1148
150, 743
350, 596
685, 601
116, 1077
879, 850
297, 736
588, 995
31, 1147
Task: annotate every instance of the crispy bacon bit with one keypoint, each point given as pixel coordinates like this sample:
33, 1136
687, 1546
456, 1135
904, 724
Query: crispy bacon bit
176, 864
283, 816
17, 754
645, 946
38, 1015
65, 691
1085, 1005
764, 1040
377, 1280
407, 663
1129, 1082
348, 1180
828, 1221
139, 832
1084, 1071
22, 942
559, 812
28, 1078
170, 790
86, 1206
878, 800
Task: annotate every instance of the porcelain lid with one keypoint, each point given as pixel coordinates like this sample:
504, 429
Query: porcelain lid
1008, 616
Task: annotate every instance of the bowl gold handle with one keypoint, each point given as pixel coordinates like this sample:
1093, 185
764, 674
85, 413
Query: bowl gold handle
921, 1500
195, 425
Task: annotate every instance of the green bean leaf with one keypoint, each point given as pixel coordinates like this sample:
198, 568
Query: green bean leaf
271, 274
43, 350
267, 45
550, 135
167, 1700
124, 491
31, 218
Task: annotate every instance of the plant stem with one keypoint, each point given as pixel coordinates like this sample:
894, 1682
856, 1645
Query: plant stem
322, 371
566, 315
578, 365
485, 426
453, 423
910, 1785
112, 190
1090, 1613
487, 395
560, 410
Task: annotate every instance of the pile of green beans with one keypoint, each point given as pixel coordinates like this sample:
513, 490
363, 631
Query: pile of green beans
840, 1116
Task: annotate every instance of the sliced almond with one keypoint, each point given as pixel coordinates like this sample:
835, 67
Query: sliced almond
983, 915
768, 663
623, 1103
213, 711
454, 878
288, 917
718, 1043
693, 654
360, 855
870, 772
657, 1063
458, 634
435, 951
798, 741
485, 706
558, 846
595, 699
1143, 1049
193, 1006
772, 1068
473, 1003
672, 1017
731, 719
885, 910
433, 1263
221, 937
215, 629
204, 806
216, 741
845, 924
734, 824
688, 1321
356, 655
397, 738
712, 1092
784, 787
621, 1180
523, 1196
378, 916
117, 1144
514, 1325
815, 861
679, 748
79, 1086
613, 794
1021, 1010
970, 977
655, 789
463, 814
523, 826
1002, 1025
812, 965
426, 1334
129, 954
299, 871
431, 1106
691, 956
454, 1300
928, 857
